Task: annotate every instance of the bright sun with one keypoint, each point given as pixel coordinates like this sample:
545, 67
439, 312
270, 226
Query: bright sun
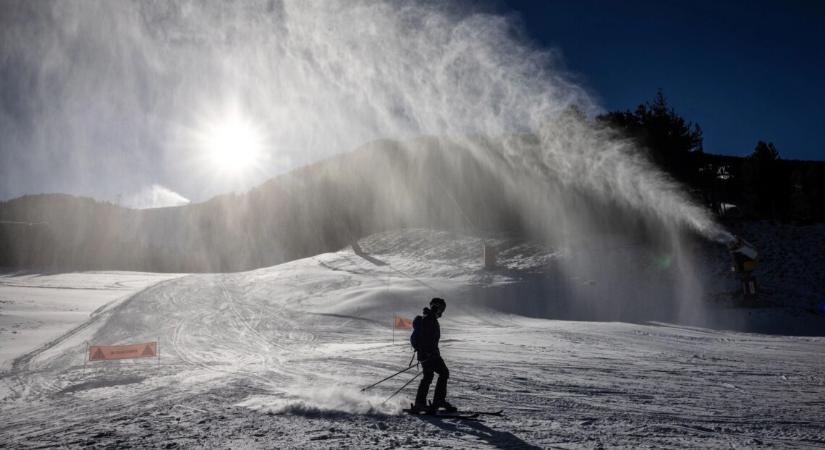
233, 146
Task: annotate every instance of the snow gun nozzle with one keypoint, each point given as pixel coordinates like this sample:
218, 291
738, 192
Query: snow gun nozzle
744, 254
743, 247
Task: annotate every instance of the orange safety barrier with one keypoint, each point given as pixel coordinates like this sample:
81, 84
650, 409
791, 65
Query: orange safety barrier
107, 352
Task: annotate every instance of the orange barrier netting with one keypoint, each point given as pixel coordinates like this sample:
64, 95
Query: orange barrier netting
107, 352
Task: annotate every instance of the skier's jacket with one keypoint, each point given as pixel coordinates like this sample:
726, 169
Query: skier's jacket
426, 334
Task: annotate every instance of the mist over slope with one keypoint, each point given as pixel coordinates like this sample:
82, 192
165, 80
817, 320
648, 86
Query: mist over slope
322, 207
468, 127
318, 79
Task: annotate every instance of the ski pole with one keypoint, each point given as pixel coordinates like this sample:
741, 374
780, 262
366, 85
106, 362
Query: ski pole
385, 379
393, 375
401, 388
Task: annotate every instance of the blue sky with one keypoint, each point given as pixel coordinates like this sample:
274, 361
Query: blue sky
744, 70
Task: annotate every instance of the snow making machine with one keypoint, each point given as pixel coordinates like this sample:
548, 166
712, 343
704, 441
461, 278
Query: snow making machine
745, 259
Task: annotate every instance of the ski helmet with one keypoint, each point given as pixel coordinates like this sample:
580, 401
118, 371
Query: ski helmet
438, 304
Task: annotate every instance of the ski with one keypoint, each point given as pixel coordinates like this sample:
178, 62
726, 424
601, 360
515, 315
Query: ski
473, 417
500, 412
443, 415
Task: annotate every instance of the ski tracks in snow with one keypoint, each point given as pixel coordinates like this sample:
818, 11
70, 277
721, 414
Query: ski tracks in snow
293, 343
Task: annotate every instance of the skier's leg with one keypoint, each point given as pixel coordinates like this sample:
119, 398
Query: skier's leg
424, 385
443, 372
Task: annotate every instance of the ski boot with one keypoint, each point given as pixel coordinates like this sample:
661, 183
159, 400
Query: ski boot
444, 406
418, 408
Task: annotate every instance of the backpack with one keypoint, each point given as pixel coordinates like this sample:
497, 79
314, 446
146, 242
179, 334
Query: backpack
416, 325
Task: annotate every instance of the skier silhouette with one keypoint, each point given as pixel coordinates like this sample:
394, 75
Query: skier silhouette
426, 333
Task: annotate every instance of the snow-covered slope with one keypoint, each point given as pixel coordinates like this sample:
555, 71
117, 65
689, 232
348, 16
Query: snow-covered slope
275, 358
35, 309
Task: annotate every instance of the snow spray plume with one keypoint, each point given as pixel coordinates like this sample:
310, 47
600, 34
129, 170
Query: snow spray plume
138, 80
314, 401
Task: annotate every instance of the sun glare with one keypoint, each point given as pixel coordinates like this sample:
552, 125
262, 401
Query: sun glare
233, 146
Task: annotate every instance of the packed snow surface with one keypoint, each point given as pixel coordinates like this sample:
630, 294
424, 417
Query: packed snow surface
276, 357
38, 308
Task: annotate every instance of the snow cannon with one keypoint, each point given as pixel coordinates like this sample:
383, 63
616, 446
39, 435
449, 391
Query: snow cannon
745, 259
